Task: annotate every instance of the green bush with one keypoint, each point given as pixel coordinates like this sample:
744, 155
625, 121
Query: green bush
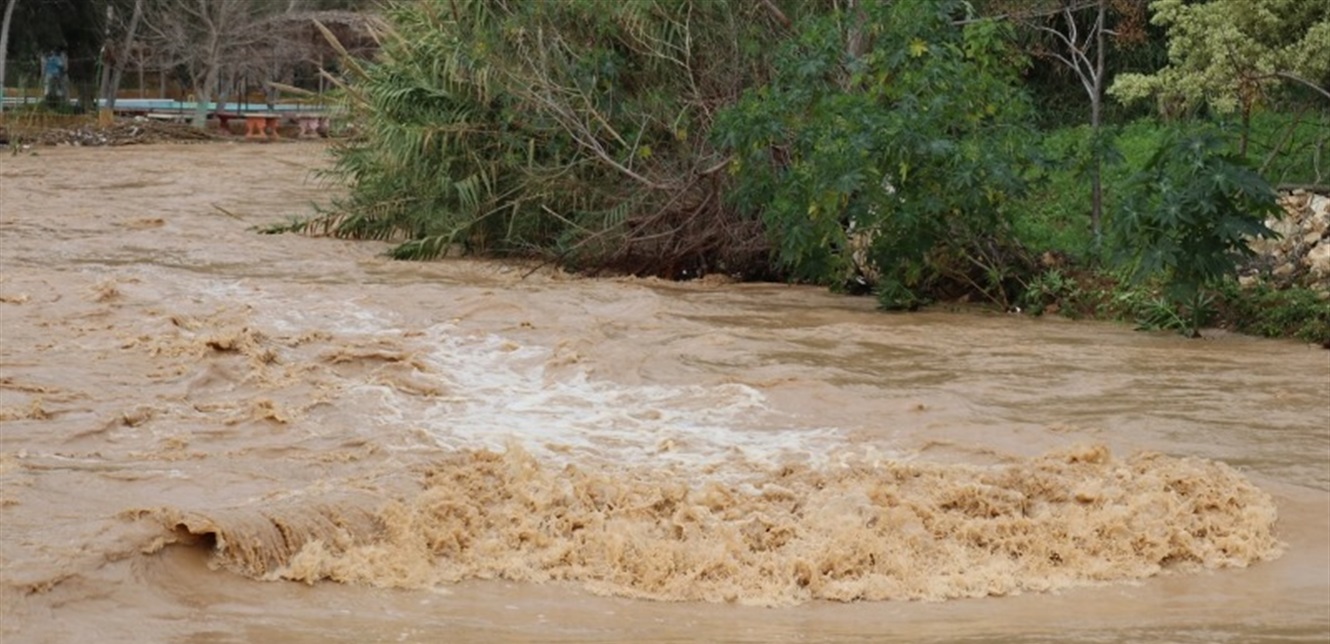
907, 155
1055, 213
1186, 218
1264, 311
573, 130
1052, 288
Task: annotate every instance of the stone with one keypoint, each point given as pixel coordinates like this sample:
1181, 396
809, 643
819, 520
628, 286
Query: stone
1318, 260
1312, 238
1318, 214
1286, 227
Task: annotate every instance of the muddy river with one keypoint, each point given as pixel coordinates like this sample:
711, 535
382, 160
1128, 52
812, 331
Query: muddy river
211, 435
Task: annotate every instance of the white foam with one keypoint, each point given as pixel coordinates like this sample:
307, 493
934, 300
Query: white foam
501, 393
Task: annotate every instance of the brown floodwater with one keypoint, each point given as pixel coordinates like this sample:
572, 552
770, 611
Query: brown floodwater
211, 435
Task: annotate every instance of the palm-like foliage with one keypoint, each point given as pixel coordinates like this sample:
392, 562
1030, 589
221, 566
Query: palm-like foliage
574, 129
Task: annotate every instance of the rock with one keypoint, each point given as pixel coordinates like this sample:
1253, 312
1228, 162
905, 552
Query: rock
1294, 207
1286, 227
1319, 219
1318, 260
1301, 254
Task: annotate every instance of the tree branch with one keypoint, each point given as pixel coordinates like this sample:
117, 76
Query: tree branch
1298, 79
777, 13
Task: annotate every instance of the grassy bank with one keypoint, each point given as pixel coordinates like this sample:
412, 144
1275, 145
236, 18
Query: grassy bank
1286, 148
1079, 278
1259, 309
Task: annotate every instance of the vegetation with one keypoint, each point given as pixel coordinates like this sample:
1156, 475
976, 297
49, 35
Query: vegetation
1230, 55
1289, 148
214, 48
1187, 218
899, 163
914, 149
1294, 312
869, 146
578, 131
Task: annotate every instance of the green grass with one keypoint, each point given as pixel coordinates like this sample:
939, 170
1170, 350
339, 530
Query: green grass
1289, 148
1055, 217
1295, 312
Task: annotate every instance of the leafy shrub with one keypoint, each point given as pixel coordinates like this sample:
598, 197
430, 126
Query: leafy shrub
1186, 217
909, 151
1294, 312
575, 130
1052, 289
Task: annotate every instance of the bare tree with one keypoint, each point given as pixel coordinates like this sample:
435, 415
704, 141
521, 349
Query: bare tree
1079, 30
1082, 51
227, 44
114, 59
4, 47
205, 37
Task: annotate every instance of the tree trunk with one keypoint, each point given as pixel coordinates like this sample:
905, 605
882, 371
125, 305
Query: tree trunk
212, 69
120, 60
1096, 115
103, 92
106, 55
202, 94
4, 48
1246, 130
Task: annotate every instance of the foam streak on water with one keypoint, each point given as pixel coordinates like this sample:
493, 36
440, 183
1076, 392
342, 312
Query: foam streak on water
503, 394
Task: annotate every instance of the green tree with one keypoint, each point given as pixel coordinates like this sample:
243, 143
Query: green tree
1229, 55
904, 155
1077, 35
1187, 217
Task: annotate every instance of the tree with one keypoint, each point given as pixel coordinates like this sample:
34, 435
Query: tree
905, 155
1076, 54
1230, 54
1188, 217
1077, 34
201, 36
222, 40
575, 130
4, 47
115, 58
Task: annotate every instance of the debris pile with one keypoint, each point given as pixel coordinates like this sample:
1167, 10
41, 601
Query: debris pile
120, 132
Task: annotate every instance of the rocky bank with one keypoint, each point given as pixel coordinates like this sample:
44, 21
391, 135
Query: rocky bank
1300, 255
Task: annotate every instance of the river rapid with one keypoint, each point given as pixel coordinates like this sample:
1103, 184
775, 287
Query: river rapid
211, 435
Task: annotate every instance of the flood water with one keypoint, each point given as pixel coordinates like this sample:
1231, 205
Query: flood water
216, 436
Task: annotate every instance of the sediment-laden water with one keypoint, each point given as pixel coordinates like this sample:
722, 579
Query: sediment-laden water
212, 435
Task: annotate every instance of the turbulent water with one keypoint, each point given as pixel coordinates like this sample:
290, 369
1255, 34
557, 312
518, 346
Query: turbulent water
212, 435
